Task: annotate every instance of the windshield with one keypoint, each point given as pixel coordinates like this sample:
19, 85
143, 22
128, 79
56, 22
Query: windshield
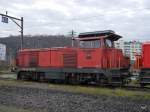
90, 44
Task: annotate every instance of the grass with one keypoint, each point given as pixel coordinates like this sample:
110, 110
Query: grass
5, 71
119, 92
104, 91
13, 82
4, 68
13, 109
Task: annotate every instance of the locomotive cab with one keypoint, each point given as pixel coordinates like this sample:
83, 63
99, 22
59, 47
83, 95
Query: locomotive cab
98, 39
97, 50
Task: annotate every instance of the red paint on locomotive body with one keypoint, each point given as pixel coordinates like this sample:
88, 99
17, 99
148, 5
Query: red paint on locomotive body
73, 57
56, 58
44, 58
27, 58
90, 58
108, 58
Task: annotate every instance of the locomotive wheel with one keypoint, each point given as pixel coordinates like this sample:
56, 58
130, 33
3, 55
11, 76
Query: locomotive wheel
40, 77
72, 79
102, 80
142, 84
21, 76
18, 76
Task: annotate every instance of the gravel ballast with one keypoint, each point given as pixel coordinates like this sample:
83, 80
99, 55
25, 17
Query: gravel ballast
51, 100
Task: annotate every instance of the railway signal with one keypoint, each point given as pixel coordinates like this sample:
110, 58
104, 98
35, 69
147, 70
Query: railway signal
5, 19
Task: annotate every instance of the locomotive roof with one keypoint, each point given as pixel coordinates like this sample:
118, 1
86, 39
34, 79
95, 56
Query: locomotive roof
109, 34
96, 33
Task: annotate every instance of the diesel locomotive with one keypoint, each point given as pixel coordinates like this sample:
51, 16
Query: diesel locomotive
93, 60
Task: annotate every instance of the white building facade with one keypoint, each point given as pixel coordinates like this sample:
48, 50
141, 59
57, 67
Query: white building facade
129, 48
2, 52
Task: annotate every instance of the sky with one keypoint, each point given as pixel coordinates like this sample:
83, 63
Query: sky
128, 18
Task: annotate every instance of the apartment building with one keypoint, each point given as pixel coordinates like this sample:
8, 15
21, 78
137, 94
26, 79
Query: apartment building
129, 48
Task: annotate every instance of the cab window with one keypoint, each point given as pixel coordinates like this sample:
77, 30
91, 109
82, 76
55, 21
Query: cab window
90, 44
108, 43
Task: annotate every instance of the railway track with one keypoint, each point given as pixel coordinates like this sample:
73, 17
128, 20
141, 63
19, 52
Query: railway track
127, 87
136, 88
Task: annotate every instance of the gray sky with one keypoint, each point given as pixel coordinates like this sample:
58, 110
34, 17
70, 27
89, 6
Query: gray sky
129, 18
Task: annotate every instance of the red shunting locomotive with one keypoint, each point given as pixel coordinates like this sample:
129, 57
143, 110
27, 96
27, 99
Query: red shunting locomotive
142, 64
94, 60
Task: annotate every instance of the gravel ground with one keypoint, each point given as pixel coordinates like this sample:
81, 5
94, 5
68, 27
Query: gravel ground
51, 100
